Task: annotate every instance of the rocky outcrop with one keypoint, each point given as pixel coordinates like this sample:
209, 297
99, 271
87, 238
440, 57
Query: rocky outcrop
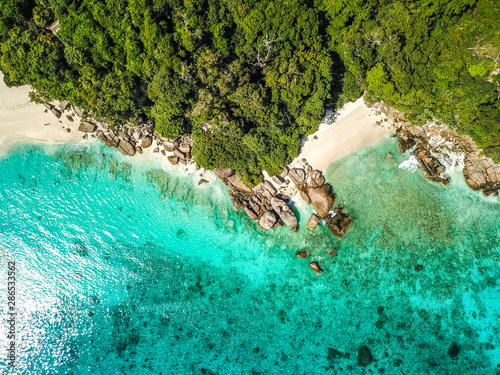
430, 166
224, 173
87, 127
174, 160
405, 140
338, 222
250, 212
316, 268
482, 174
268, 220
322, 198
313, 221
284, 212
305, 197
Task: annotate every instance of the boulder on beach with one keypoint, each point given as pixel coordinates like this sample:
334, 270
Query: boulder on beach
108, 140
87, 127
179, 154
298, 176
278, 179
236, 183
56, 112
268, 220
289, 218
202, 181
173, 159
126, 147
147, 141
170, 146
322, 198
313, 221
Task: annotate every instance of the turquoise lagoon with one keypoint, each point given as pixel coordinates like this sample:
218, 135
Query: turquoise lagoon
126, 268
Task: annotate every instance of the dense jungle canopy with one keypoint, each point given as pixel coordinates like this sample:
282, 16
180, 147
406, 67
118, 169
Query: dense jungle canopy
249, 78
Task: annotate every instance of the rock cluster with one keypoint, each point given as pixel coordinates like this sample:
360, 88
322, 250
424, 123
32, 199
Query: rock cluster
262, 203
440, 142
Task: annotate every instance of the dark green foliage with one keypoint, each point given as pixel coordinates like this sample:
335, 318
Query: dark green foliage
250, 78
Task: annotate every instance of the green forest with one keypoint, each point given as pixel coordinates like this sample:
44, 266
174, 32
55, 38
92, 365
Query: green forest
249, 78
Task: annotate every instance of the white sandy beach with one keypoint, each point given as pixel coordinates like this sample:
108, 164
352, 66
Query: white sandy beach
21, 119
354, 128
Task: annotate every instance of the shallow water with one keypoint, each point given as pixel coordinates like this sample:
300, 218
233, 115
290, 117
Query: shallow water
127, 268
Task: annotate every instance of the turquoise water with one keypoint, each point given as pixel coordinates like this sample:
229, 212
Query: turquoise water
125, 268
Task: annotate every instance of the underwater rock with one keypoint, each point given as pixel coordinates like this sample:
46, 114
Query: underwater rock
322, 198
316, 268
313, 221
304, 254
364, 356
202, 181
338, 222
430, 166
419, 267
454, 350
87, 127
268, 220
333, 252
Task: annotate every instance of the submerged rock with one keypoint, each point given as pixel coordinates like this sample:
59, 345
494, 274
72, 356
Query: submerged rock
454, 350
304, 254
364, 356
202, 181
313, 221
322, 198
316, 268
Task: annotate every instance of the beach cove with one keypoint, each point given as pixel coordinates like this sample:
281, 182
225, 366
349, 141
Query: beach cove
127, 266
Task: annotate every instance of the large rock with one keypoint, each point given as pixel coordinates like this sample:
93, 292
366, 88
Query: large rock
279, 205
278, 179
338, 222
223, 173
87, 127
173, 159
313, 221
289, 218
268, 220
305, 197
126, 147
179, 154
298, 176
170, 146
108, 140
56, 112
250, 212
405, 141
303, 254
316, 268
64, 105
236, 183
430, 166
322, 198
147, 141
317, 179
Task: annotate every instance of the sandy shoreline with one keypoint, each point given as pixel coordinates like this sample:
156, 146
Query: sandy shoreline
353, 129
22, 120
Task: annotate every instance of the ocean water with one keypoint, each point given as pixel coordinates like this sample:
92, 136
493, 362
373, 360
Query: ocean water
124, 267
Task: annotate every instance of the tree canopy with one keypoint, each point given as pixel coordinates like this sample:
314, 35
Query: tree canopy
249, 78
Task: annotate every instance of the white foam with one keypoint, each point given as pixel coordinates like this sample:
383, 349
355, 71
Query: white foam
411, 164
